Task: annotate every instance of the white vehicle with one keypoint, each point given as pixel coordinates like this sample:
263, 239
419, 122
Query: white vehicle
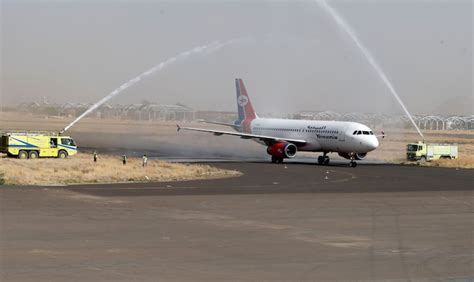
285, 137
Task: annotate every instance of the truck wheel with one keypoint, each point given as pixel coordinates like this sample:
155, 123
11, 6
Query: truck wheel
23, 155
423, 159
62, 154
33, 155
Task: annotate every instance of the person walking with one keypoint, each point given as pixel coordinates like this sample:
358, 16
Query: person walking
95, 156
145, 160
124, 159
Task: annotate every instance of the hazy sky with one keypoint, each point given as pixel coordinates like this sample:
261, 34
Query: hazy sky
297, 59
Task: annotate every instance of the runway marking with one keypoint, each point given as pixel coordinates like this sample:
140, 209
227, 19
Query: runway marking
349, 177
295, 233
76, 195
44, 252
458, 201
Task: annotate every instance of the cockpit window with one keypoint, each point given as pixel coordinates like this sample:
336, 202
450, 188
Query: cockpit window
355, 132
371, 133
359, 132
366, 132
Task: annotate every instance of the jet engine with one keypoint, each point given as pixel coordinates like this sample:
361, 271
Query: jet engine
357, 156
282, 150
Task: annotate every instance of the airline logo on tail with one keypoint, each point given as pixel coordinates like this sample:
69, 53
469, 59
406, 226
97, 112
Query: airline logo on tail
244, 106
242, 101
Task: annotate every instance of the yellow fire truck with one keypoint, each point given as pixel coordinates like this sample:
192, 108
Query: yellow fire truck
35, 144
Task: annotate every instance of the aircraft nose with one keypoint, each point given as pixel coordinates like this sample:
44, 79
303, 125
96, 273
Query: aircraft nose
372, 143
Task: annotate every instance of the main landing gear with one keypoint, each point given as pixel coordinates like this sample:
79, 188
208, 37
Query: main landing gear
323, 160
276, 160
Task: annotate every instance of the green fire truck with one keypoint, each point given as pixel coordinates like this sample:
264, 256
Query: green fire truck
429, 152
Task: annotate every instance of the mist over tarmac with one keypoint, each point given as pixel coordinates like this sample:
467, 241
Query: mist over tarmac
79, 51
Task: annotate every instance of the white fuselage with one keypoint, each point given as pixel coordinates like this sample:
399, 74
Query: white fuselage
321, 136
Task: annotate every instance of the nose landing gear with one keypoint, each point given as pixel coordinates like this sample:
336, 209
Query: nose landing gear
352, 163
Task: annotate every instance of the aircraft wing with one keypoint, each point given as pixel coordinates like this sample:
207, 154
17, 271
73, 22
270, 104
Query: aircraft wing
267, 139
234, 126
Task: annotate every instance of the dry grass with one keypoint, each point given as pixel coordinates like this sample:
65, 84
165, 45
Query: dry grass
108, 169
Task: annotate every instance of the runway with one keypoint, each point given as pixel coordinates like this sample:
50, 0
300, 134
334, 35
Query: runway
290, 222
261, 177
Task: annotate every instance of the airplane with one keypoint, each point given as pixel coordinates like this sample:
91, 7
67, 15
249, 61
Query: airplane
285, 137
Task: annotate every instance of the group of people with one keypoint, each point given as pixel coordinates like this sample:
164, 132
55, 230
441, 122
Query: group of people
124, 159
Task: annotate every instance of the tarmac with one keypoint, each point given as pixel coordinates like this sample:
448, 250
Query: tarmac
292, 222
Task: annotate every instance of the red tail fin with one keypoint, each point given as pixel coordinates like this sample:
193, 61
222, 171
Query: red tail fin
246, 111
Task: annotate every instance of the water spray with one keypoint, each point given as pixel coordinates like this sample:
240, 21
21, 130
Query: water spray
204, 49
347, 28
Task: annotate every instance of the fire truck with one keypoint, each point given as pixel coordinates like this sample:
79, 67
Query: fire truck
429, 152
36, 144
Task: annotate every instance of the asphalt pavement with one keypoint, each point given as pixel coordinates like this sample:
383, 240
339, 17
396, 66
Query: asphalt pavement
291, 222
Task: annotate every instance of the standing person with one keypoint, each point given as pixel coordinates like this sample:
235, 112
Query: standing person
124, 159
95, 156
145, 160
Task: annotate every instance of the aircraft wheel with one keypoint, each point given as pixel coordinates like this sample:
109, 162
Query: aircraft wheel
326, 161
280, 160
321, 160
353, 164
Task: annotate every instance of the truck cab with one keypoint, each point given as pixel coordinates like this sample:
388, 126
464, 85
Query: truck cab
416, 151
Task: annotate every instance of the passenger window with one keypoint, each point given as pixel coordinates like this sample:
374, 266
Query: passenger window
366, 133
53, 142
